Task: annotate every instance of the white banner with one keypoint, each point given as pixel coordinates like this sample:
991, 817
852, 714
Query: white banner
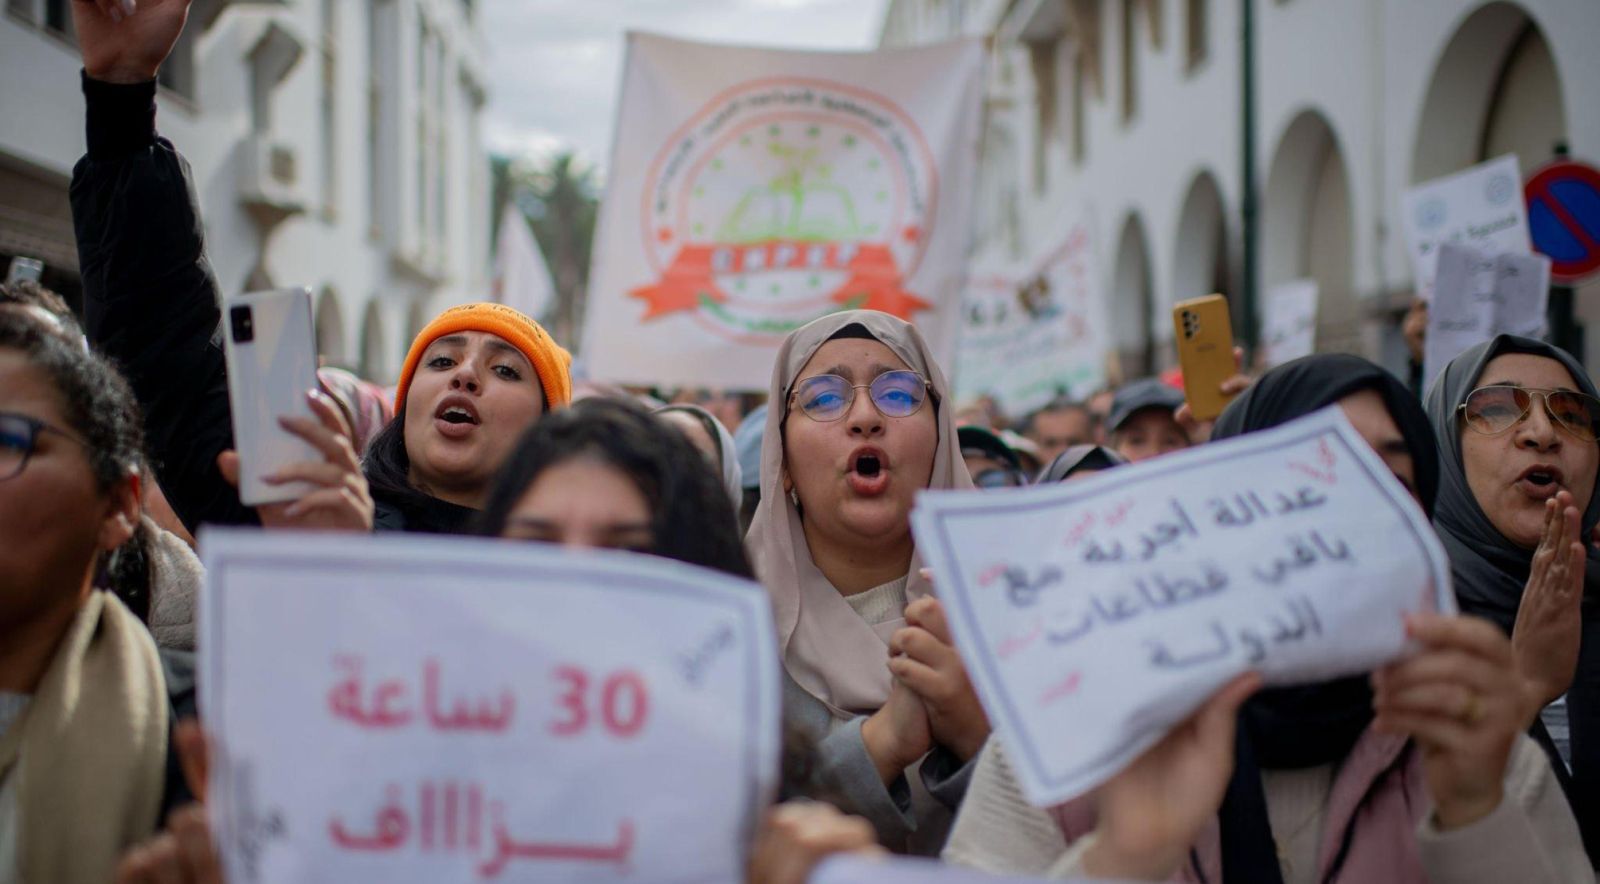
1289, 322
1480, 207
1479, 295
1095, 616
751, 191
1030, 336
419, 709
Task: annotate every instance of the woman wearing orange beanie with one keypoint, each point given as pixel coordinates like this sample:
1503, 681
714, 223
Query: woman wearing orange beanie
475, 378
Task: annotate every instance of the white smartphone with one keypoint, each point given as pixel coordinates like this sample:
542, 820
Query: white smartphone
272, 362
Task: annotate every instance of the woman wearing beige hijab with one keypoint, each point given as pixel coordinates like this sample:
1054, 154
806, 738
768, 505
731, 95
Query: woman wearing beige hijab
856, 429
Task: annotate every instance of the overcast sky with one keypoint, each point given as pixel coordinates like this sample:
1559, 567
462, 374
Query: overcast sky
554, 64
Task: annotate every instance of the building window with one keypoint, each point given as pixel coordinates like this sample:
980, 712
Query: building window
1130, 60
1196, 43
1080, 119
330, 109
374, 118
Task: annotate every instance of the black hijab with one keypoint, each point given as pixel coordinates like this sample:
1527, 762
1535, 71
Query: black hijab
1490, 571
1078, 458
1307, 725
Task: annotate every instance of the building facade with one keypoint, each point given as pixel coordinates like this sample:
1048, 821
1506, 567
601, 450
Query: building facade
335, 144
1132, 111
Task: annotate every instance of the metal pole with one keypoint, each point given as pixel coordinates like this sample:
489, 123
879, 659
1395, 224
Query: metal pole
1245, 317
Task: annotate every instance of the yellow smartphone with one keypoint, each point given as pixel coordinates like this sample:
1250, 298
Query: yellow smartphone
1204, 334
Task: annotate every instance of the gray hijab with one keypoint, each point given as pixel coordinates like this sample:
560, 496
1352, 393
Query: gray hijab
1489, 570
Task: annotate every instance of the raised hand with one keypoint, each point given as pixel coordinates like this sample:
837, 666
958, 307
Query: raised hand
1549, 628
1463, 702
125, 41
1200, 431
1152, 812
926, 662
797, 835
341, 500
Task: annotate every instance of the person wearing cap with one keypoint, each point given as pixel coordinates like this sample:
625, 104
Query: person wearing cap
991, 461
1143, 422
474, 379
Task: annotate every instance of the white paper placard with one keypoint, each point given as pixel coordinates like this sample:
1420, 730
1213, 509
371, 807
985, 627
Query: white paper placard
751, 191
419, 709
1478, 296
1480, 207
1289, 326
852, 869
1094, 616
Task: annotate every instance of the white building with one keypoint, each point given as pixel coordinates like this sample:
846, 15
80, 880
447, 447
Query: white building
335, 144
1132, 109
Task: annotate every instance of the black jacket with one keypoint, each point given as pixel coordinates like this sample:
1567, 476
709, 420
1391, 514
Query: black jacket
151, 303
150, 300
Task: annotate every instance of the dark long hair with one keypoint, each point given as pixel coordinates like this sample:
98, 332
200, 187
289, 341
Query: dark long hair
690, 518
100, 409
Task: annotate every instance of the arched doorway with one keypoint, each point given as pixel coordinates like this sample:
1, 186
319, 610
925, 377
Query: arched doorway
1200, 263
1132, 301
1306, 227
330, 328
1495, 90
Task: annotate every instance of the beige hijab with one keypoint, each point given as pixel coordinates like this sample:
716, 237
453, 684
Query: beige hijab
827, 648
89, 753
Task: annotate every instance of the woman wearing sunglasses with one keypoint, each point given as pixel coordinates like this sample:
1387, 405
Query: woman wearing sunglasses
1516, 421
855, 430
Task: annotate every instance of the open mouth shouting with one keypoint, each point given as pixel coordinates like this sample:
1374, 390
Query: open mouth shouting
868, 474
1540, 481
456, 417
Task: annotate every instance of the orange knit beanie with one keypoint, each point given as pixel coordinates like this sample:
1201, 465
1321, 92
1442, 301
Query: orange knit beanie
550, 360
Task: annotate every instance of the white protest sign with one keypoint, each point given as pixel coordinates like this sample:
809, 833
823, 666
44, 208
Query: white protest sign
1094, 616
1480, 207
416, 709
1030, 336
751, 191
1479, 295
1289, 323
852, 869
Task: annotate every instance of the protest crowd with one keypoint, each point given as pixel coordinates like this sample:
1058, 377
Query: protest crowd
1475, 757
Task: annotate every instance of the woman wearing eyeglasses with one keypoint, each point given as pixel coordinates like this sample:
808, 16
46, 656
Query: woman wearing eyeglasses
856, 428
86, 699
1516, 421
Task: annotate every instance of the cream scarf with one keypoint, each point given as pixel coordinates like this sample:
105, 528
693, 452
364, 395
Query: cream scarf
88, 757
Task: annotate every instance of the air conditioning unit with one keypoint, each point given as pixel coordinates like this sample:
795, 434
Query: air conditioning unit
270, 180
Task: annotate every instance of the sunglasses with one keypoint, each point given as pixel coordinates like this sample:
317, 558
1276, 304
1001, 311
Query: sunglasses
828, 397
1495, 409
19, 436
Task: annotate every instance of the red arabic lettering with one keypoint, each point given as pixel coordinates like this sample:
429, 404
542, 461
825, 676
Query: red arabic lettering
388, 707
345, 699
461, 717
451, 821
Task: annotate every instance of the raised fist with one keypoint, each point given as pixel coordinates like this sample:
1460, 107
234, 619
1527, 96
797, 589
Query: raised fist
125, 41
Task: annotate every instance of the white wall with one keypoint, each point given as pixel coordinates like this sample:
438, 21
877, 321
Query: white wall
1341, 86
348, 251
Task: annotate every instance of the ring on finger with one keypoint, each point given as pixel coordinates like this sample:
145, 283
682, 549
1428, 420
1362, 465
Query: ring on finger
1472, 710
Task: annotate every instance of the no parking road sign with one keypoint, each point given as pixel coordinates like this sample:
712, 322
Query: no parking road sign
1564, 219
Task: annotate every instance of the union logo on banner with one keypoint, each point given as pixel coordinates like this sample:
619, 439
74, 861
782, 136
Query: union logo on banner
782, 200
